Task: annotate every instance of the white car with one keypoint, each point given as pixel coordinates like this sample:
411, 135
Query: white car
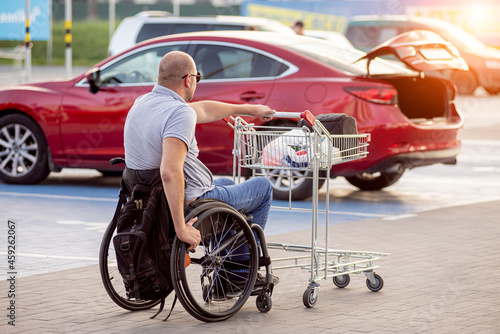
150, 24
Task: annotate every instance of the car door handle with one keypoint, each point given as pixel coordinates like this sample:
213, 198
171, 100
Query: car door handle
251, 95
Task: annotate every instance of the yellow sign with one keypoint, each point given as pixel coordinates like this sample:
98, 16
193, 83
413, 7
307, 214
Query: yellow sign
312, 21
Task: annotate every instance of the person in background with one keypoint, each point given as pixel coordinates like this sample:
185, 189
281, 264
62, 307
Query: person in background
298, 27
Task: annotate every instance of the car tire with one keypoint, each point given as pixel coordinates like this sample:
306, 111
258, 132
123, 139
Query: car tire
300, 183
465, 81
375, 181
23, 150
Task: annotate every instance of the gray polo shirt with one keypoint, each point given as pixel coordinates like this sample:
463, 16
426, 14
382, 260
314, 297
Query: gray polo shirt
158, 115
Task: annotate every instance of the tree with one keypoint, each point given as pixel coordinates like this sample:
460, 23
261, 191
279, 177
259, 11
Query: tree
92, 12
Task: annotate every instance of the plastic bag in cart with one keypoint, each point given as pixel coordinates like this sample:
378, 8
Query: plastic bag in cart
295, 149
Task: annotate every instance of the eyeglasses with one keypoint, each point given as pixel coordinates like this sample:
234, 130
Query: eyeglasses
197, 75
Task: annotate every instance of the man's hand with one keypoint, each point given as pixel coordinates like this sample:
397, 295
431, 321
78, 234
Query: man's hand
190, 235
264, 112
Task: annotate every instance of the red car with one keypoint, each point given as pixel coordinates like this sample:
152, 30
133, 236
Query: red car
412, 117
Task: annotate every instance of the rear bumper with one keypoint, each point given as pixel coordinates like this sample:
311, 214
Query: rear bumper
415, 159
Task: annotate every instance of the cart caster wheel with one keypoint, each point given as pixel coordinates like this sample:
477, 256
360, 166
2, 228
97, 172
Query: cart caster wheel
264, 303
342, 281
310, 297
379, 284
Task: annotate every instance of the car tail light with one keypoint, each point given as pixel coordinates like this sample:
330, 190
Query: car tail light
379, 95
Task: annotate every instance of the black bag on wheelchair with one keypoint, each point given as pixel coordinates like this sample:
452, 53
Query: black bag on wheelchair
143, 244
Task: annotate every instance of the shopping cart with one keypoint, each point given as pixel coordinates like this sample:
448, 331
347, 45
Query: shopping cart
313, 149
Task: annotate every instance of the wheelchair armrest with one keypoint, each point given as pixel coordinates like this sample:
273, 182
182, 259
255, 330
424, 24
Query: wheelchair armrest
116, 161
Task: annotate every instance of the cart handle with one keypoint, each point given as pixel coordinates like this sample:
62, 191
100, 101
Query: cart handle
307, 115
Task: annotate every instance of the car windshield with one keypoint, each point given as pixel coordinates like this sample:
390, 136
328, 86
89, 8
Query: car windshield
346, 59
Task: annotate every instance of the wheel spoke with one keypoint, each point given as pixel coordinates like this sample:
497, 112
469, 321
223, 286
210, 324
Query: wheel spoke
7, 134
17, 133
31, 147
5, 144
6, 160
27, 134
274, 171
14, 164
278, 183
28, 156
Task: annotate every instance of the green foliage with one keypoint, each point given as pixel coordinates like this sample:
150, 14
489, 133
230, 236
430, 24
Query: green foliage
89, 45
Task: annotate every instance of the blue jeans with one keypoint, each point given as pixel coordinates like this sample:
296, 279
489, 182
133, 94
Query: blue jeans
254, 197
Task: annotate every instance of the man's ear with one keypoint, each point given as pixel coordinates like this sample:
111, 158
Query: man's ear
188, 82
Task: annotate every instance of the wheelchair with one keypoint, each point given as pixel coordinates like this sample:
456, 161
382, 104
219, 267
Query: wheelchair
204, 278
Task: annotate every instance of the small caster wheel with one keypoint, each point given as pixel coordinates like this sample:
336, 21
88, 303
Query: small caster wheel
264, 303
379, 283
310, 297
342, 281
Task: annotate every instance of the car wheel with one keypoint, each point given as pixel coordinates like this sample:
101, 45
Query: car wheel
23, 150
300, 183
465, 81
375, 181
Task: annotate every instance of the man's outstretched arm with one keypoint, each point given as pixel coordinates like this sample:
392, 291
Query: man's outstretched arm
172, 174
210, 111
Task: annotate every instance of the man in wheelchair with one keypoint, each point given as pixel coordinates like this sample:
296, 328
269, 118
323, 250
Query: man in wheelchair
160, 135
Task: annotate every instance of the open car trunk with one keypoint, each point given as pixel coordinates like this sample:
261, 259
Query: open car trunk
422, 99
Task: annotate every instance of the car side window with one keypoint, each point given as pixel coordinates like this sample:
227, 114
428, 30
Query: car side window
141, 67
226, 62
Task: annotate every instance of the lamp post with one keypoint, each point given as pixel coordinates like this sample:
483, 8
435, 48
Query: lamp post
68, 37
27, 42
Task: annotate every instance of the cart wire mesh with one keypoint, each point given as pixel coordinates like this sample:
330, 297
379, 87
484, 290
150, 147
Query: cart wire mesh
260, 147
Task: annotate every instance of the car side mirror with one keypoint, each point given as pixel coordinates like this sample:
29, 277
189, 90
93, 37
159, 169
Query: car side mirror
94, 79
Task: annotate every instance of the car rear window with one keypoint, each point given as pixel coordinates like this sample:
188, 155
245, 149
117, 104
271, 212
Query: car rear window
345, 60
227, 27
151, 30
180, 28
366, 37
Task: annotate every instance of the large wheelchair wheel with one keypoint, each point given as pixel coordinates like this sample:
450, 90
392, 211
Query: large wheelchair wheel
211, 282
111, 277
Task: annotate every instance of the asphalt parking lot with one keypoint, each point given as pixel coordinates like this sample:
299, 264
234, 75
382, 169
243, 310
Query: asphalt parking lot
439, 223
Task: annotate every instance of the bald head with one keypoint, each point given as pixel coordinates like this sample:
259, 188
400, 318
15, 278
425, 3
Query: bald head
173, 66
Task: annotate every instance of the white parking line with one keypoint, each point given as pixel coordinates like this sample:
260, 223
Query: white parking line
398, 217
63, 257
71, 198
361, 214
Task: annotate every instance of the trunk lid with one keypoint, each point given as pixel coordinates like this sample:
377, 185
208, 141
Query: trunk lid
420, 50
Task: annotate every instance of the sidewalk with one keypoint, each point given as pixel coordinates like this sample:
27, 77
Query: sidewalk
12, 75
442, 277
